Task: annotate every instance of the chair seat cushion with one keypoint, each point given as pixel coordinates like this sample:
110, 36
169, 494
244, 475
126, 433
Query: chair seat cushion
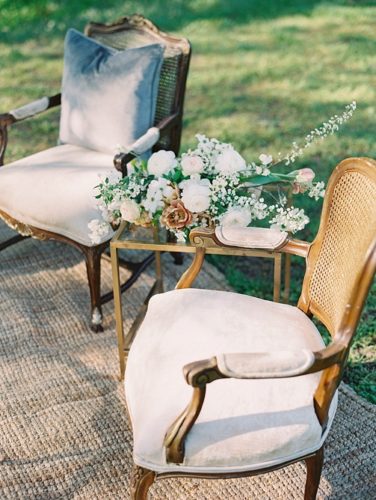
244, 424
54, 190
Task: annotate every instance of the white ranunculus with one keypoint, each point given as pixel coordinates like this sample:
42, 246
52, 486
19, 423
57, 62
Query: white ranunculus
265, 159
229, 162
192, 164
237, 216
161, 162
196, 194
129, 210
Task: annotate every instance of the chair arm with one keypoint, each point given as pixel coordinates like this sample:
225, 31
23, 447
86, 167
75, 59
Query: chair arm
143, 143
257, 365
30, 109
18, 114
208, 238
278, 364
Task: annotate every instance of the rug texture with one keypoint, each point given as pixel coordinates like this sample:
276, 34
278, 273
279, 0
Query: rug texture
64, 431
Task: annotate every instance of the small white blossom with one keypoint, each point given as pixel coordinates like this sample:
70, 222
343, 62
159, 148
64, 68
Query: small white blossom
191, 164
229, 162
196, 194
129, 210
161, 162
265, 159
98, 230
237, 216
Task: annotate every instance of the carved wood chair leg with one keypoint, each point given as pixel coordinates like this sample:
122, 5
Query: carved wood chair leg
141, 480
314, 467
93, 268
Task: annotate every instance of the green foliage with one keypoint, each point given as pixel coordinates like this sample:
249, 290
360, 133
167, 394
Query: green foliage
263, 74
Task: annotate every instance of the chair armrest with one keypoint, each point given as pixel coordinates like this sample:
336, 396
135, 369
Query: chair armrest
21, 113
143, 143
30, 109
209, 238
282, 364
257, 365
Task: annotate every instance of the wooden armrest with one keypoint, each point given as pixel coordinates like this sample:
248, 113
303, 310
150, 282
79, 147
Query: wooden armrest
279, 364
245, 366
21, 113
30, 109
143, 143
206, 238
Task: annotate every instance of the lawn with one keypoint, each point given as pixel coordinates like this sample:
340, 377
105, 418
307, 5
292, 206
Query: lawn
262, 75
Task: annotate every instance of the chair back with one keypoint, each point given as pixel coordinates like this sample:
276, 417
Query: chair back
136, 31
342, 259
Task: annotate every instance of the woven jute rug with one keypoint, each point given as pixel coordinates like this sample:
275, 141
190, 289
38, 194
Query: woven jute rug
64, 431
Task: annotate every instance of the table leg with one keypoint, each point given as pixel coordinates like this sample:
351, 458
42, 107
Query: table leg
277, 277
159, 271
286, 292
118, 308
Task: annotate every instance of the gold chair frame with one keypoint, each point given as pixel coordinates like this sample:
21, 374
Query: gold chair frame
340, 316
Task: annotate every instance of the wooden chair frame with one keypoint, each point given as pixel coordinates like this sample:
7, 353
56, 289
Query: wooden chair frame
169, 123
330, 360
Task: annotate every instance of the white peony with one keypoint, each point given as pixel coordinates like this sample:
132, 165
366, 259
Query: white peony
192, 164
161, 162
129, 210
196, 194
237, 216
265, 159
229, 162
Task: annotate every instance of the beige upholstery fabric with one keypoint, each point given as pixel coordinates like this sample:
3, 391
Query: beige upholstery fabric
30, 109
265, 364
244, 424
54, 190
251, 237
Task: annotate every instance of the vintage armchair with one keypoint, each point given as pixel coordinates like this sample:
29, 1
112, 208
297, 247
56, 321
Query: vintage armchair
275, 390
50, 195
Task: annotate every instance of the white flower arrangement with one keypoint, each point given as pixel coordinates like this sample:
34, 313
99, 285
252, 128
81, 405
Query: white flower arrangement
210, 185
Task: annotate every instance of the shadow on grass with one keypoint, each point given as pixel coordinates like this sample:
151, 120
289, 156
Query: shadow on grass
41, 18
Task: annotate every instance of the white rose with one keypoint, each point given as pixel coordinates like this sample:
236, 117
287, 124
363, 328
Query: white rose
129, 210
229, 162
237, 216
265, 159
196, 194
192, 164
161, 162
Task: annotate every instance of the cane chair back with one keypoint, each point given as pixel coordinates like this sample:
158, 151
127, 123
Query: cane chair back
339, 270
136, 31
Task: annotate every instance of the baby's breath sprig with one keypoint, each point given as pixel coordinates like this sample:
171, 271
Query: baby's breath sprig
327, 128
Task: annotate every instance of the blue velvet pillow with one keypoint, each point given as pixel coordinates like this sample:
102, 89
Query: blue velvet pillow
108, 96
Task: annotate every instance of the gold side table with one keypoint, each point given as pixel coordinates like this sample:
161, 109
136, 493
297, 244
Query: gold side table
135, 238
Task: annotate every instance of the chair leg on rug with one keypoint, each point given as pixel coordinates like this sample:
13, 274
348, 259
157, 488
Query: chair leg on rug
93, 267
314, 467
141, 480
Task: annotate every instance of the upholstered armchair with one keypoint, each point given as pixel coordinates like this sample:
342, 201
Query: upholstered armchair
50, 195
257, 382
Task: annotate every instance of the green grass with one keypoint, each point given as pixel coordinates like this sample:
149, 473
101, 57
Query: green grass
262, 75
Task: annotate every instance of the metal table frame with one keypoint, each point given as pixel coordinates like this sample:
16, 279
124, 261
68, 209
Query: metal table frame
119, 242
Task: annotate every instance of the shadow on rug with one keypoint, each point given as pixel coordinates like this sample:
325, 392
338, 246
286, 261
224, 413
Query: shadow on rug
64, 431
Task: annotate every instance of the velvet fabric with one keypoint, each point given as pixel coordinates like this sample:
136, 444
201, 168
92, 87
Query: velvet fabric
251, 237
54, 190
244, 424
108, 96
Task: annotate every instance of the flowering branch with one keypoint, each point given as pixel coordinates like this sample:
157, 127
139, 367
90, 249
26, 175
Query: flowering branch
210, 185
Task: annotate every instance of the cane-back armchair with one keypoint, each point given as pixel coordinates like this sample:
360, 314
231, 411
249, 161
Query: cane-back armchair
275, 390
39, 195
